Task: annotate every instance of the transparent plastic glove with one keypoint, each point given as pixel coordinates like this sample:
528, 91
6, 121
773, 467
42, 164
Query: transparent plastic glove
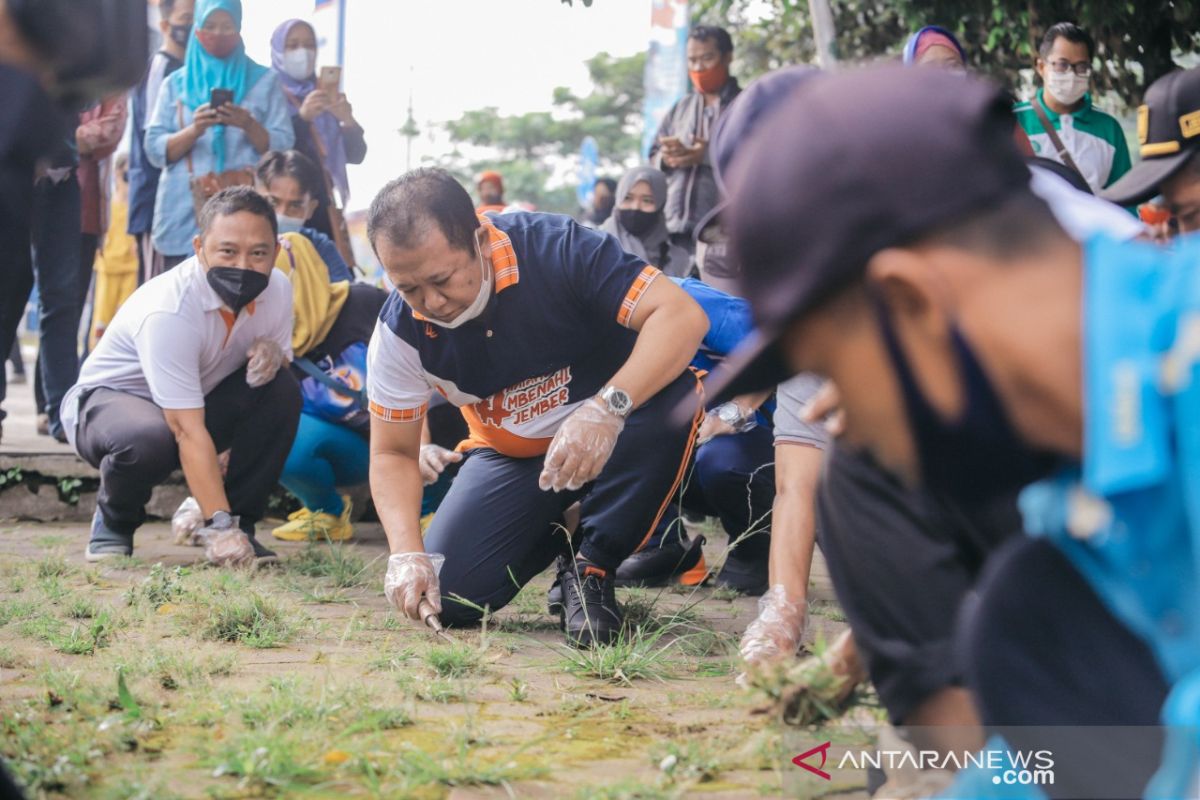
411, 576
434, 460
777, 630
186, 522
581, 447
266, 357
227, 546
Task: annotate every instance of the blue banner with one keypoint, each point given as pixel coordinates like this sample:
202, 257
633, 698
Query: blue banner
589, 163
666, 64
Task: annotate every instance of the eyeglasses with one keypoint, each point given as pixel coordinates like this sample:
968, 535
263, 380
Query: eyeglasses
1081, 68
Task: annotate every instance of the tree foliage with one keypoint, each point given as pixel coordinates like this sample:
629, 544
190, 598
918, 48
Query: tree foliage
1137, 41
528, 148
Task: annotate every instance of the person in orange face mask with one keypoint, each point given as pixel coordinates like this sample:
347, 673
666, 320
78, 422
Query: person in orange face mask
681, 147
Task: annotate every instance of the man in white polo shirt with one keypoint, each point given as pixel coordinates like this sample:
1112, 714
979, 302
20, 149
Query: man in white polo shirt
189, 367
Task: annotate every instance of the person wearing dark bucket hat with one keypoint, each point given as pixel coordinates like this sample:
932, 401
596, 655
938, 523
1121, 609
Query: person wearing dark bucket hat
1169, 133
976, 347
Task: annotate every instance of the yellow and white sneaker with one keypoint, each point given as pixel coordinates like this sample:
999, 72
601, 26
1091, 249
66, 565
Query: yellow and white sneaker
306, 525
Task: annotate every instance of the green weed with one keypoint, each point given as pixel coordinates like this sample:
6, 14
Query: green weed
252, 620
453, 660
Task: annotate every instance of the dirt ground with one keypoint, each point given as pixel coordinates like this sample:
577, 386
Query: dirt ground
179, 680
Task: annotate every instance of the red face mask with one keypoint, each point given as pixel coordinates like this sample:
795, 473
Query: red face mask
710, 80
219, 45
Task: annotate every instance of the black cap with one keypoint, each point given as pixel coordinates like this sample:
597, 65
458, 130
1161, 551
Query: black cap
849, 164
1169, 131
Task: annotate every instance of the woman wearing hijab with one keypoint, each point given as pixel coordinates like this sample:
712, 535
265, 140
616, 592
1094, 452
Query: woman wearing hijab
640, 225
934, 46
190, 135
324, 124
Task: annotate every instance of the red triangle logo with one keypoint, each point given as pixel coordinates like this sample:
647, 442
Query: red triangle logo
823, 749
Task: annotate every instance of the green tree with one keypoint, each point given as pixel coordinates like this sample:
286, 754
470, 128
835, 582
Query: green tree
528, 149
1136, 41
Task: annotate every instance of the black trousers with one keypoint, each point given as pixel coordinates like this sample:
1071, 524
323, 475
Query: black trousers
498, 529
1041, 649
127, 439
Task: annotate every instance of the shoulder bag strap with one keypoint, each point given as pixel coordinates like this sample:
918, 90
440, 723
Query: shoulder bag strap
1048, 126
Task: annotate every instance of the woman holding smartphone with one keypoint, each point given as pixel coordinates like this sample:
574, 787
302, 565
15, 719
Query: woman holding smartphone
214, 117
323, 121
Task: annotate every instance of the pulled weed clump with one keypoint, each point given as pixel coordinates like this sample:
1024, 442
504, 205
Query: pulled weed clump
161, 586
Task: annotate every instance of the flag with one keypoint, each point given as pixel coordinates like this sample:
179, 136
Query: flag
666, 75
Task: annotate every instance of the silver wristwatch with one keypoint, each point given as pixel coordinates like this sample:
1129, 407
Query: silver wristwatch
221, 520
617, 401
732, 415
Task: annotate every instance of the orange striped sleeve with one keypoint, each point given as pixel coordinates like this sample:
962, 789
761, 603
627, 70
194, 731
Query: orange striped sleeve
397, 414
640, 284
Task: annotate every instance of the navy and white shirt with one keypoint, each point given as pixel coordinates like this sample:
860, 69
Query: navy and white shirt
554, 333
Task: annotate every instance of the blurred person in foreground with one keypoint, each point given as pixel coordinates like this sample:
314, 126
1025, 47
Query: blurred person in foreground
976, 347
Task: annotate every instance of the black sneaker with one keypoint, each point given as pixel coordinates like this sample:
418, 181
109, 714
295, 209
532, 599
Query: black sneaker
590, 615
554, 604
744, 575
658, 565
262, 556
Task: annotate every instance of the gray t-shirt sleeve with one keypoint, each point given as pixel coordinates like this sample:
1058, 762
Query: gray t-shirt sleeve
790, 399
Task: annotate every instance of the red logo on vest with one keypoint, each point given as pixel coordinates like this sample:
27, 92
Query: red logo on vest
823, 749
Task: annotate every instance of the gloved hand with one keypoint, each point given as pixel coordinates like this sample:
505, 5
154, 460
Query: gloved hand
186, 522
411, 576
225, 544
266, 357
776, 632
581, 447
434, 460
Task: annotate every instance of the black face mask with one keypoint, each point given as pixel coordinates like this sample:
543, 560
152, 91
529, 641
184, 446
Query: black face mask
637, 222
236, 287
977, 457
179, 34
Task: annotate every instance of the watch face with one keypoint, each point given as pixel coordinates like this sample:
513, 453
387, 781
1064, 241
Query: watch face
618, 401
730, 415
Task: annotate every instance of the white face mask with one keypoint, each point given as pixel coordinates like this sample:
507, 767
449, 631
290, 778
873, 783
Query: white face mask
288, 224
299, 63
479, 303
1067, 88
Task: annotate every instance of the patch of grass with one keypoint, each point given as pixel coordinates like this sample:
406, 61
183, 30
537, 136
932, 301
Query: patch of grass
79, 638
636, 655
16, 609
10, 659
81, 608
52, 540
338, 564
690, 762
159, 587
251, 619
52, 566
725, 593
463, 767
518, 691
172, 669
276, 765
454, 660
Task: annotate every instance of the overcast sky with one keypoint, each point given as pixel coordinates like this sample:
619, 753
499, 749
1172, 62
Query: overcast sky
455, 55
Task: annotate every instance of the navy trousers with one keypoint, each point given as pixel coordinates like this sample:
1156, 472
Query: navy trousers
498, 529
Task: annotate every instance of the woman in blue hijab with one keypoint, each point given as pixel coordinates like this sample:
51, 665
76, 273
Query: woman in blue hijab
217, 113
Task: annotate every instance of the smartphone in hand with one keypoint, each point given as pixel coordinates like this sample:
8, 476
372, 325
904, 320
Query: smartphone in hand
329, 79
220, 97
